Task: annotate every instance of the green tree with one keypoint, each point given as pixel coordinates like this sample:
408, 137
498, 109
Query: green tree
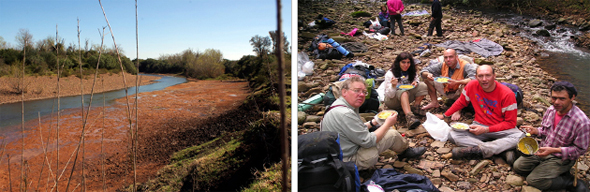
261, 45
273, 36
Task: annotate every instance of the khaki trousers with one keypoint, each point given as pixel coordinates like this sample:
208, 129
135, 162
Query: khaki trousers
366, 158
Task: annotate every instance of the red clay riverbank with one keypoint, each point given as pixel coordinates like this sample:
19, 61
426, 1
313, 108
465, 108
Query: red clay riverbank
160, 112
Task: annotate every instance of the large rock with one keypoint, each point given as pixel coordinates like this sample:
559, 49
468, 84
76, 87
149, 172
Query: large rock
535, 23
527, 188
514, 180
543, 32
301, 116
450, 176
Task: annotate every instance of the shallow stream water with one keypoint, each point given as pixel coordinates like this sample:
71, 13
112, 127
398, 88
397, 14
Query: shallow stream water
10, 114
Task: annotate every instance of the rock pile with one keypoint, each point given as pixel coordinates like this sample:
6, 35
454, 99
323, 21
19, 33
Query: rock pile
516, 65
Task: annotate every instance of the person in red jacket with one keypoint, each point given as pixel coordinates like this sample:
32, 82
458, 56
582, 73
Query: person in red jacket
395, 7
493, 130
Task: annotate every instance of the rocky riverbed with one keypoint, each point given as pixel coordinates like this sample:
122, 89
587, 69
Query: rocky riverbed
516, 65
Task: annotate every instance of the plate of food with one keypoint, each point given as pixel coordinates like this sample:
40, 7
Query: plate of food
458, 126
381, 116
405, 87
442, 79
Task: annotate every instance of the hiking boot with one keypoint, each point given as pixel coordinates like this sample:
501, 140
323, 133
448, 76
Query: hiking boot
467, 153
509, 156
566, 181
412, 121
411, 153
417, 110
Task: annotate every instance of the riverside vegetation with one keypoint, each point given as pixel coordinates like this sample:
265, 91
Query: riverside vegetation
517, 65
235, 150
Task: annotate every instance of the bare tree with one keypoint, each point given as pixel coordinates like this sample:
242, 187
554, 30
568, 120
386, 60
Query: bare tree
273, 36
3, 44
24, 38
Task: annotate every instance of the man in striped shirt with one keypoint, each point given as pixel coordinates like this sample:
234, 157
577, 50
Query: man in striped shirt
493, 130
566, 133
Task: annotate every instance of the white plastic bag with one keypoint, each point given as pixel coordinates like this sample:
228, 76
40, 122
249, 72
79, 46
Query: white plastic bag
304, 65
436, 127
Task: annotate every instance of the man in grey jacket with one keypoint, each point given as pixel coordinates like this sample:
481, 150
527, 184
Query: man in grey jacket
357, 143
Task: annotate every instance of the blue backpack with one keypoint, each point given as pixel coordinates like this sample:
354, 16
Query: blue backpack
320, 165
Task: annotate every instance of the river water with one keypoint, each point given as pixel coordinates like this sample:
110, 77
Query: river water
10, 114
559, 57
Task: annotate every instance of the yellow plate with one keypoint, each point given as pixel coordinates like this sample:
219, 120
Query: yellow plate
441, 79
405, 87
528, 145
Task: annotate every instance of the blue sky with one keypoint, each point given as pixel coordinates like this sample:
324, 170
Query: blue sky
165, 27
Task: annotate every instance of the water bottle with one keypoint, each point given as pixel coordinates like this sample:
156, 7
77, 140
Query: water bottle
337, 46
312, 100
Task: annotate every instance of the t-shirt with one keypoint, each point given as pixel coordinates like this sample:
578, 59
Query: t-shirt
496, 109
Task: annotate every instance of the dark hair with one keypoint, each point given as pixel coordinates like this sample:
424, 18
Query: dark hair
397, 70
564, 85
383, 6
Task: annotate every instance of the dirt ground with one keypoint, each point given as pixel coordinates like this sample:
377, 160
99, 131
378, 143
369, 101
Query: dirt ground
42, 87
160, 113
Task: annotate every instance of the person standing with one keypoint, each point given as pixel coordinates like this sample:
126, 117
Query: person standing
565, 130
396, 7
435, 19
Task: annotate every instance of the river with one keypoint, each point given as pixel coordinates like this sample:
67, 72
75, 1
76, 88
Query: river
10, 114
560, 57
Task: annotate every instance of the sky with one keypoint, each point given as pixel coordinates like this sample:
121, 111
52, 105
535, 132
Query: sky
165, 27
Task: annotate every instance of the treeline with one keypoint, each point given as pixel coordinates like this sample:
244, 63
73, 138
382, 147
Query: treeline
210, 64
42, 58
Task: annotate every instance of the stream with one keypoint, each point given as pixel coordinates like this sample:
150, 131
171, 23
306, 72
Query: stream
10, 114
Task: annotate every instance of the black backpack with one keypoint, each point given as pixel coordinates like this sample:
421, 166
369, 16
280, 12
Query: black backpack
328, 53
320, 165
517, 92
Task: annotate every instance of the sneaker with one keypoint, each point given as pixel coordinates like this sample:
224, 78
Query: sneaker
467, 153
417, 110
411, 153
412, 121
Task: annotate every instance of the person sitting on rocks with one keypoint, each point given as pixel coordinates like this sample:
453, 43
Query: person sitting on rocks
565, 130
384, 16
493, 130
459, 72
403, 72
358, 144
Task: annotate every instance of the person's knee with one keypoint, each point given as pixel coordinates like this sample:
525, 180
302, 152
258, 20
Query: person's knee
538, 182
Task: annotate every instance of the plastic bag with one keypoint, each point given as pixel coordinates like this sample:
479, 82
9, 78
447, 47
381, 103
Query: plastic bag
375, 36
437, 128
304, 65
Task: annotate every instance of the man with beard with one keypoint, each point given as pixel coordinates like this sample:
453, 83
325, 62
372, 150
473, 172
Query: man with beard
566, 133
358, 144
493, 130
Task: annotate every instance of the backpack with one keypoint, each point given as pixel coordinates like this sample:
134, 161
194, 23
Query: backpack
320, 165
517, 93
324, 22
371, 103
327, 52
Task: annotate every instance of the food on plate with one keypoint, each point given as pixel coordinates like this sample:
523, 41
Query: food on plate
442, 80
460, 126
385, 114
406, 86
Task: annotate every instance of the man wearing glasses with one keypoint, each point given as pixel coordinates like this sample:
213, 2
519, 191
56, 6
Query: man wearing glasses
358, 144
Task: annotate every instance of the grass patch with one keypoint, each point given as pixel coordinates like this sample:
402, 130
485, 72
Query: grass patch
270, 179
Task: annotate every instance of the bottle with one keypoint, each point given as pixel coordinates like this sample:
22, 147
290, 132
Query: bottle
337, 46
312, 100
